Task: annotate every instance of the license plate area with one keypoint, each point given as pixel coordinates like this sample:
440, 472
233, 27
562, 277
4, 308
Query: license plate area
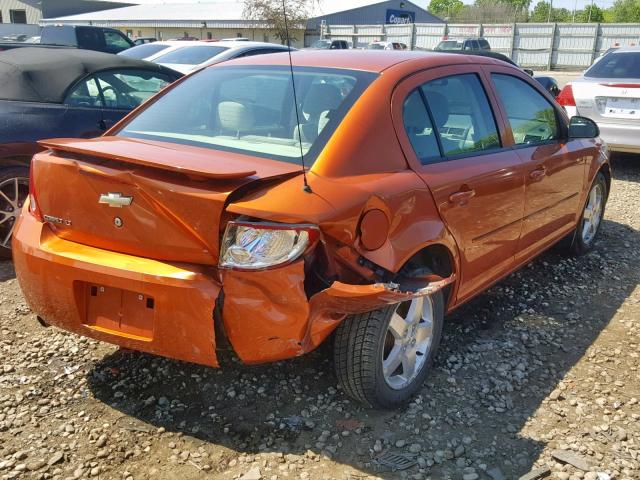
622, 107
119, 312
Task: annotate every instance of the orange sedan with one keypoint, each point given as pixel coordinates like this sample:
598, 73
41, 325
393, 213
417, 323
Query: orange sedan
232, 211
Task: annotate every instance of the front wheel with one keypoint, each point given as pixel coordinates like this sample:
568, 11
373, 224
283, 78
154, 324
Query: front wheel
589, 225
383, 357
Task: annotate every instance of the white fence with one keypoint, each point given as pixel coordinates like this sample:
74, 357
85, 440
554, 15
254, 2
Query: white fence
537, 45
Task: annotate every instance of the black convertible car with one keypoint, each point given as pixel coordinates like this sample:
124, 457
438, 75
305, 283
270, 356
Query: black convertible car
46, 93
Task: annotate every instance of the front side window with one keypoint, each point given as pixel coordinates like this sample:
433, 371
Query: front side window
127, 89
190, 55
115, 41
85, 94
532, 118
251, 110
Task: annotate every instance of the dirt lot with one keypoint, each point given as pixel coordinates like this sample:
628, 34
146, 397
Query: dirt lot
545, 363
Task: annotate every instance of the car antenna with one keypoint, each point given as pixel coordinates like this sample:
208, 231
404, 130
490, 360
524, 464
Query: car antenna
306, 187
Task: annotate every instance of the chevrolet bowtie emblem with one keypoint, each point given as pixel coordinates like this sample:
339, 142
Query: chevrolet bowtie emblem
116, 200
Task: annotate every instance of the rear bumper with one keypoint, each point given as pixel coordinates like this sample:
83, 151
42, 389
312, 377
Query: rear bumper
267, 315
56, 277
620, 137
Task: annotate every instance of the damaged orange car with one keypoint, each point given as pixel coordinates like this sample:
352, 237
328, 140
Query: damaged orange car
229, 213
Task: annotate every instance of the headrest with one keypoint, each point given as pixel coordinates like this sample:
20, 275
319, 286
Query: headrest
439, 106
320, 98
415, 115
235, 116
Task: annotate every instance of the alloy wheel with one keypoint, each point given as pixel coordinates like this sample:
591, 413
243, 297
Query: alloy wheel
592, 214
408, 341
13, 193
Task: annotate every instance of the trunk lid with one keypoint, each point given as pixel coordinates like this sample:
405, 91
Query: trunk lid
146, 198
608, 100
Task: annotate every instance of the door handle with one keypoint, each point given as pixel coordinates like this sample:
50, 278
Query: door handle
537, 174
462, 197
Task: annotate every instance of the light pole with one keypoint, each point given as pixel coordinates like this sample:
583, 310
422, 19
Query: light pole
590, 8
550, 8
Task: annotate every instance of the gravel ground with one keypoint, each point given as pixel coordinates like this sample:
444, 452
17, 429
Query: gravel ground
540, 373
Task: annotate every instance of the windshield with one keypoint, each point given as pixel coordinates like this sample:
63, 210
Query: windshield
616, 65
193, 55
375, 46
450, 45
251, 110
143, 51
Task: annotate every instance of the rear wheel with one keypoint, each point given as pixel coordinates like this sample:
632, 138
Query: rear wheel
588, 227
14, 190
383, 357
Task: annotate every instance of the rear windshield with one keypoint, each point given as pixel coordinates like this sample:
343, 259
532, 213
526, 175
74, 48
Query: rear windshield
616, 65
251, 110
143, 51
190, 55
450, 45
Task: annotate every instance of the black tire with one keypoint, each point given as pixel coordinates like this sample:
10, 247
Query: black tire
580, 244
358, 353
7, 175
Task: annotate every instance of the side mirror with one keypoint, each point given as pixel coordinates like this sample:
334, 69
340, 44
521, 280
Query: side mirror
582, 127
528, 71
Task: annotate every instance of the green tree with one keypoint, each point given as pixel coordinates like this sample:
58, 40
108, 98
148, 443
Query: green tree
591, 13
625, 11
540, 13
271, 12
445, 8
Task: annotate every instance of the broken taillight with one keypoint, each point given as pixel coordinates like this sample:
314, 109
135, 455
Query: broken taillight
34, 206
262, 245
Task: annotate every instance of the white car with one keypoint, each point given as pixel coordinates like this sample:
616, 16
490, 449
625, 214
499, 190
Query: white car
609, 94
195, 55
386, 46
149, 51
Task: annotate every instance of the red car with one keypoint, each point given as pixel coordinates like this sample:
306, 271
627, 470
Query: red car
216, 213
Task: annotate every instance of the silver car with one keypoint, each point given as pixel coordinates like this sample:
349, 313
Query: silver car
609, 94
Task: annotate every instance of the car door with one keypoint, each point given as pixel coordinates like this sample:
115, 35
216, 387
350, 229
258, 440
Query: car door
122, 90
453, 140
554, 166
83, 111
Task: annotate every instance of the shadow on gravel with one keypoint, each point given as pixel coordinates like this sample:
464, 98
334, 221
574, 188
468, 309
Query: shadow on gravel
6, 270
626, 166
502, 355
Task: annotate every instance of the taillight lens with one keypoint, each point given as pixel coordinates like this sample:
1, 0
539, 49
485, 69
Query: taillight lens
566, 98
257, 245
34, 206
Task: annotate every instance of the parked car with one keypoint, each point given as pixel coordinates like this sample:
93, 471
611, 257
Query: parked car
236, 39
15, 37
379, 45
550, 84
195, 55
149, 51
473, 44
424, 186
609, 94
47, 93
326, 44
100, 39
144, 40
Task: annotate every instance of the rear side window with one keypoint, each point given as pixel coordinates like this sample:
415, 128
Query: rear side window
532, 118
417, 124
484, 44
459, 122
190, 55
616, 65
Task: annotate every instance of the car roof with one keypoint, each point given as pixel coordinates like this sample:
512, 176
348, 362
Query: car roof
626, 49
367, 60
43, 75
